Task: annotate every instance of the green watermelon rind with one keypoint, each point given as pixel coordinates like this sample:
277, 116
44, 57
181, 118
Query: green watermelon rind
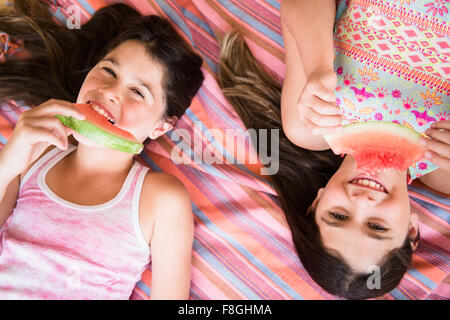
102, 137
402, 133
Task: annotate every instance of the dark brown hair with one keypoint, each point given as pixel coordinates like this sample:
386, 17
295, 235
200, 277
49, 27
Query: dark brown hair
256, 96
61, 58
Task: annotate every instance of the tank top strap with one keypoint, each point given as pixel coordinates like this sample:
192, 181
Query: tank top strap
41, 162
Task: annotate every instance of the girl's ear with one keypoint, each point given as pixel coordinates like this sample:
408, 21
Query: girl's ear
414, 234
163, 126
316, 201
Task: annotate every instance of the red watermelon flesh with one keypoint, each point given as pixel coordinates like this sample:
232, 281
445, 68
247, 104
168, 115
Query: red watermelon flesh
101, 122
378, 145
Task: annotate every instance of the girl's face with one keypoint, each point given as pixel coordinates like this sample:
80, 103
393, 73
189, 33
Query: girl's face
127, 87
362, 217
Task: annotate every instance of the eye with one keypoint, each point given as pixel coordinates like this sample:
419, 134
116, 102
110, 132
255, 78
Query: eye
137, 92
110, 71
376, 227
338, 216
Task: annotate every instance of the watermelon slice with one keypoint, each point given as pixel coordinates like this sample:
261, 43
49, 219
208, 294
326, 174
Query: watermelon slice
378, 145
99, 129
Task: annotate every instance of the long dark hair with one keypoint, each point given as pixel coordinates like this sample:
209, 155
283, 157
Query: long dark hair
61, 58
256, 96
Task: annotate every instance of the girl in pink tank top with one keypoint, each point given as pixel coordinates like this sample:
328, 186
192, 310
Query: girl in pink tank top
77, 220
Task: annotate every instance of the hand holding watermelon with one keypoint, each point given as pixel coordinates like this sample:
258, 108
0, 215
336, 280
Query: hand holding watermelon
438, 146
317, 104
36, 129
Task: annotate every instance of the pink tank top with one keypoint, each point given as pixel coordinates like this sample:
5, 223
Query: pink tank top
54, 249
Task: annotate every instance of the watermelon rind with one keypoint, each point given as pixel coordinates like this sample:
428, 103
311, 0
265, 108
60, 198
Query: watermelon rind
102, 137
378, 145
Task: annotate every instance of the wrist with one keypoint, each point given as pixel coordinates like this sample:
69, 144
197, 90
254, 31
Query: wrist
5, 172
321, 71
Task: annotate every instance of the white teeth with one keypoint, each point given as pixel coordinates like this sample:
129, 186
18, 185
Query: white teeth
102, 112
366, 182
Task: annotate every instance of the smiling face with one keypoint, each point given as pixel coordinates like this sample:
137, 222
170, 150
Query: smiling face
126, 86
363, 217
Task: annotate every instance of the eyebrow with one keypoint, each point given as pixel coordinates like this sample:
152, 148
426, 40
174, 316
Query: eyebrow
367, 233
139, 81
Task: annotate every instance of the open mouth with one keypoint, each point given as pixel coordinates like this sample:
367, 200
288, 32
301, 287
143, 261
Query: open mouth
102, 111
369, 182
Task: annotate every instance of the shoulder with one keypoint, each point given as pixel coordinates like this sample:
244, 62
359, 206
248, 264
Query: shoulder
164, 184
163, 192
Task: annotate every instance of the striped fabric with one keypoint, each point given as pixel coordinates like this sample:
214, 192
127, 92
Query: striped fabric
242, 245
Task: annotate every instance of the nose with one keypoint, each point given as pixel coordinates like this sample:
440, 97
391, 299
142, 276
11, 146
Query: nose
110, 93
365, 196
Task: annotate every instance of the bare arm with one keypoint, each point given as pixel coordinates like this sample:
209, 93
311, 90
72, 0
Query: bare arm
438, 180
9, 190
308, 106
172, 238
311, 24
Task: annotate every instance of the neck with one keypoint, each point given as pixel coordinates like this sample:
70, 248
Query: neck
97, 160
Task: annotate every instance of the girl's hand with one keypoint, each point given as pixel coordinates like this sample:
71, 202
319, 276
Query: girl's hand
36, 129
438, 147
317, 104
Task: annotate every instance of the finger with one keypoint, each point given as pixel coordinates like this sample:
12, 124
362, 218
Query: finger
439, 134
61, 107
323, 89
46, 135
319, 90
49, 124
326, 96
320, 130
445, 124
323, 120
437, 147
320, 106
325, 108
441, 162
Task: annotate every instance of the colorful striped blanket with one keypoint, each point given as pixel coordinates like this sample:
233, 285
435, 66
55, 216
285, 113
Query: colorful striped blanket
242, 245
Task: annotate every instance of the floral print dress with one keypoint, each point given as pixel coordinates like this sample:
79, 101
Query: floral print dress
393, 63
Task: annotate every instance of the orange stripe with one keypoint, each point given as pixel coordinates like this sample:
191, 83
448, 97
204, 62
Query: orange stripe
427, 269
5, 128
206, 270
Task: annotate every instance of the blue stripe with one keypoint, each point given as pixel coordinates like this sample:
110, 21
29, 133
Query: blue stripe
419, 276
214, 66
398, 295
274, 3
275, 36
441, 213
87, 6
3, 139
430, 194
175, 18
238, 246
202, 24
141, 285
